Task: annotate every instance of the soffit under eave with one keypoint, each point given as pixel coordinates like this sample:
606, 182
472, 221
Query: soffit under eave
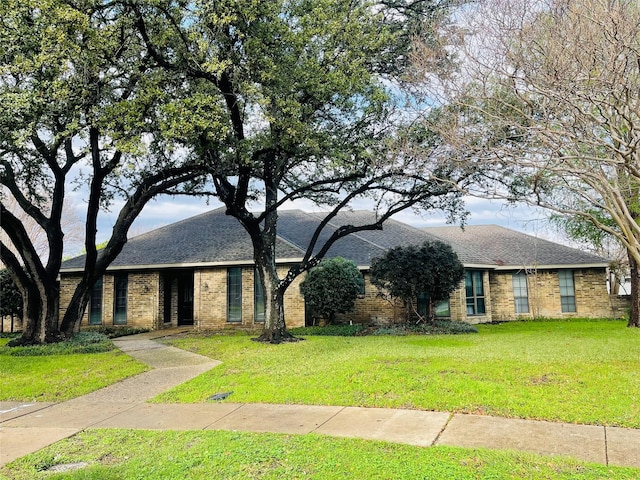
560, 266
174, 266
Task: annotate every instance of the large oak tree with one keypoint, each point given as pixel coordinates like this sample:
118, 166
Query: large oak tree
80, 107
302, 99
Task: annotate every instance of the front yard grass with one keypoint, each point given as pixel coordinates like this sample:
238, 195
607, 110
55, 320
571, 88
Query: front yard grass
571, 371
137, 454
55, 373
583, 371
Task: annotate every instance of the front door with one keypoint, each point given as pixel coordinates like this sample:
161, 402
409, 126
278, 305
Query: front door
185, 298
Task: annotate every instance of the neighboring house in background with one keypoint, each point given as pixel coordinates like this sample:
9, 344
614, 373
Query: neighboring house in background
200, 271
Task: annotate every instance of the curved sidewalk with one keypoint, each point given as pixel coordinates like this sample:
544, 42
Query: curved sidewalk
25, 428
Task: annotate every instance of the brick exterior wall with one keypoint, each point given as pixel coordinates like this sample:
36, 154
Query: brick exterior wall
142, 299
293, 302
173, 307
621, 305
67, 285
210, 300
146, 309
592, 298
107, 301
370, 308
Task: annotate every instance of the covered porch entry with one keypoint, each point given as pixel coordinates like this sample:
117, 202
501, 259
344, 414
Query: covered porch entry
177, 297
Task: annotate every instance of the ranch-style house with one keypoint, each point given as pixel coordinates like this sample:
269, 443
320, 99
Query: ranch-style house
200, 272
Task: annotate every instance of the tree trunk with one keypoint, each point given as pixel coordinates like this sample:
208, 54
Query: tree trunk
264, 255
275, 329
634, 313
431, 314
40, 315
614, 283
75, 311
409, 309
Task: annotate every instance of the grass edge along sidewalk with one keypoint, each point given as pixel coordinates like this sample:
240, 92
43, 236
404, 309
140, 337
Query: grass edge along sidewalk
556, 371
126, 454
582, 372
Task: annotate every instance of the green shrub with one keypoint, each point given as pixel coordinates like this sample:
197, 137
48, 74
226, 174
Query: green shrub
82, 342
438, 327
10, 334
114, 332
329, 330
395, 330
429, 272
332, 287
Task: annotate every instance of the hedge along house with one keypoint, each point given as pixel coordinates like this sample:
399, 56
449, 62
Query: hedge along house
200, 272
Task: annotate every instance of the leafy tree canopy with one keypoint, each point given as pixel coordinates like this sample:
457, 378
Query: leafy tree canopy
406, 272
80, 107
302, 99
549, 100
332, 287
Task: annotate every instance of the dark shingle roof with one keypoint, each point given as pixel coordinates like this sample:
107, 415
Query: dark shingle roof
360, 247
502, 247
298, 228
210, 238
214, 238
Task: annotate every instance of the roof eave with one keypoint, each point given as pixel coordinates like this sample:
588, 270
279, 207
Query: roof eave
479, 266
162, 266
283, 261
566, 266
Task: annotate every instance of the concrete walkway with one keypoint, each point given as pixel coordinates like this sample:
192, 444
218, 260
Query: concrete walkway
28, 427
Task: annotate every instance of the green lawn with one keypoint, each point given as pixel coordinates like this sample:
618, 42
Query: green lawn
56, 378
581, 371
584, 371
126, 454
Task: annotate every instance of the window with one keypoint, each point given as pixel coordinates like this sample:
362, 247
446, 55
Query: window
120, 288
567, 291
520, 293
95, 304
234, 294
361, 291
440, 308
258, 299
475, 292
423, 304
